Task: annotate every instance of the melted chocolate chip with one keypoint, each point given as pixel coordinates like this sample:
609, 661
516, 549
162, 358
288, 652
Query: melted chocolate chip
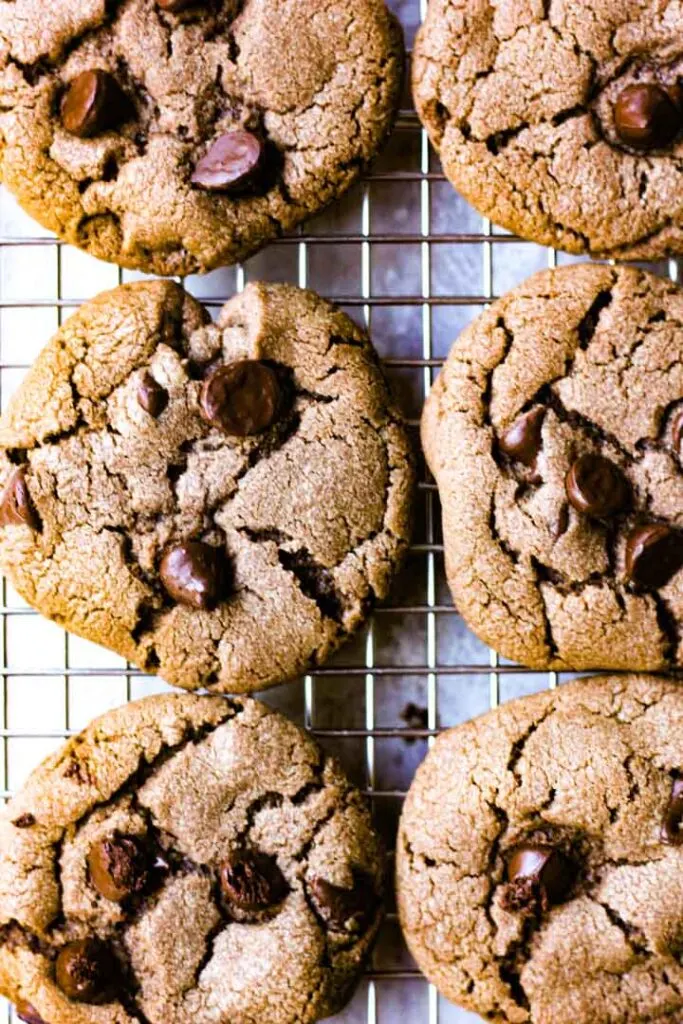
522, 440
85, 970
597, 487
28, 1013
16, 507
646, 116
242, 398
232, 162
535, 871
93, 103
151, 396
672, 826
252, 881
24, 821
195, 574
118, 867
654, 553
345, 909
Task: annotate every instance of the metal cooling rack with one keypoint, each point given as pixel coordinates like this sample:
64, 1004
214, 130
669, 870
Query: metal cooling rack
407, 257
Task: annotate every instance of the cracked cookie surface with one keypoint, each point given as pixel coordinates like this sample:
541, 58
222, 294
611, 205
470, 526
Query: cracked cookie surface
539, 857
136, 515
575, 376
118, 167
252, 848
560, 121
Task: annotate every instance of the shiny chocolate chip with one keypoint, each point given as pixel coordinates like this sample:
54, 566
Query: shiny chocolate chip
646, 116
28, 1013
85, 970
345, 909
252, 881
16, 507
672, 826
522, 440
541, 869
654, 554
151, 396
93, 103
195, 574
241, 398
118, 867
231, 163
597, 487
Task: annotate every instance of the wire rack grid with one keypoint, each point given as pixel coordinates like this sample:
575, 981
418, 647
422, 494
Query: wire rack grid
406, 256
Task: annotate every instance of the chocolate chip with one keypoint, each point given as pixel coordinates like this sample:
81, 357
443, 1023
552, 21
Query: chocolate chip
175, 6
677, 430
646, 116
151, 396
231, 163
540, 871
118, 867
16, 507
28, 1013
654, 553
597, 487
672, 826
345, 909
252, 881
195, 574
85, 970
24, 821
522, 440
92, 104
242, 398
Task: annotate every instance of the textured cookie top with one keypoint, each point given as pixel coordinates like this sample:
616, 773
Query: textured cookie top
219, 503
554, 433
123, 123
561, 121
539, 857
186, 859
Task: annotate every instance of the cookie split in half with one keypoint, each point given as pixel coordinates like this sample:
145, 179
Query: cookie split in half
186, 860
220, 503
175, 136
561, 122
539, 857
554, 433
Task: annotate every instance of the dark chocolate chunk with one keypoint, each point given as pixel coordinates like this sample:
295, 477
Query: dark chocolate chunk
85, 970
24, 821
242, 398
537, 870
118, 867
646, 116
232, 162
16, 507
195, 574
672, 826
677, 430
654, 554
522, 440
597, 487
252, 881
345, 909
93, 103
151, 396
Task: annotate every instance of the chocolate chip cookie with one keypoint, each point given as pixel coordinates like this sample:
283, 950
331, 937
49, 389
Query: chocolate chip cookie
562, 122
186, 859
539, 857
219, 503
554, 433
174, 136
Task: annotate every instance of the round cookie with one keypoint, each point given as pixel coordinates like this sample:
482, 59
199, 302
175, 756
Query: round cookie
562, 122
175, 136
539, 858
554, 433
186, 860
220, 503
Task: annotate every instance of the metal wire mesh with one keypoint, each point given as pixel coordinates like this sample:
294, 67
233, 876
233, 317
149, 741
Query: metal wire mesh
407, 257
